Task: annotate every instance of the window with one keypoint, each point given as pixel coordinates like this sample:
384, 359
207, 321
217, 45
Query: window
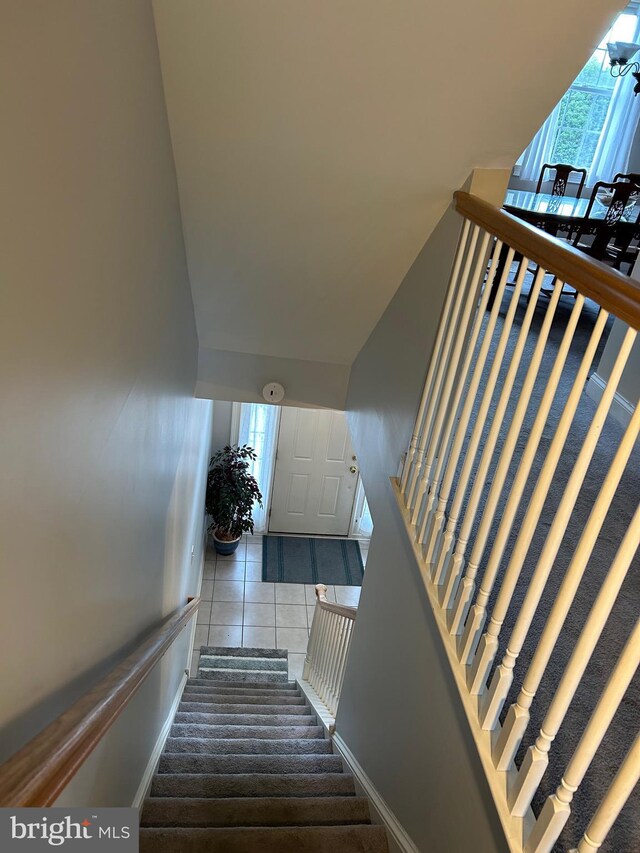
583, 108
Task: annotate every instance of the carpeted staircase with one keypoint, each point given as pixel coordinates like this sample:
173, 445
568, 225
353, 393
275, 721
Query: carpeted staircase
247, 768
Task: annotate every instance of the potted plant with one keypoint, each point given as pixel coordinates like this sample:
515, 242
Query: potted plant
231, 493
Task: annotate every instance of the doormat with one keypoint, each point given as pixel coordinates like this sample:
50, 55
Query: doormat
305, 559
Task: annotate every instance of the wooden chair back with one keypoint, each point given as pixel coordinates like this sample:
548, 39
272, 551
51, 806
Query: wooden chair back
562, 173
620, 195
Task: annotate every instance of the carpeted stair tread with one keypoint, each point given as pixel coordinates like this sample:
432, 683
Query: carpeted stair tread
212, 684
248, 746
250, 708
246, 699
250, 676
242, 664
229, 719
248, 652
252, 785
289, 839
263, 811
243, 764
200, 730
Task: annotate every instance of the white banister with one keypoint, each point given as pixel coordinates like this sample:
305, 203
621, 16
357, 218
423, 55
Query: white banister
328, 648
493, 489
619, 792
557, 808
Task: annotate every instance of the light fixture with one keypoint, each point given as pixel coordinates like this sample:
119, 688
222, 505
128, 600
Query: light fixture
620, 52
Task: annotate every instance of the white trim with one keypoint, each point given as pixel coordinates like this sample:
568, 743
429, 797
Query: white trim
147, 776
621, 409
398, 835
234, 430
318, 705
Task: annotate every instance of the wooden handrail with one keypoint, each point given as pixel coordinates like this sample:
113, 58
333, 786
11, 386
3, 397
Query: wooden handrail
37, 774
616, 293
340, 609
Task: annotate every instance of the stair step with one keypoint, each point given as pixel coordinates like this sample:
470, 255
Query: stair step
253, 676
246, 719
228, 689
248, 746
223, 699
198, 730
250, 708
175, 762
243, 652
290, 686
266, 811
290, 839
252, 785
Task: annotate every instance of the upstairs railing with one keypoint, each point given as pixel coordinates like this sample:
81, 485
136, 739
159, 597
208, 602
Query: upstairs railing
328, 648
37, 774
491, 441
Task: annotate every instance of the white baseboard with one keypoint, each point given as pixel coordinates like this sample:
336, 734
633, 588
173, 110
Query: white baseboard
398, 838
621, 409
147, 776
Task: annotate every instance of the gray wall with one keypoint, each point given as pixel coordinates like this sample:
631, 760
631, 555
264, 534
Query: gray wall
399, 712
103, 446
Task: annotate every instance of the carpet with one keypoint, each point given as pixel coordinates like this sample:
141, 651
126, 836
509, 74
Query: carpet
305, 559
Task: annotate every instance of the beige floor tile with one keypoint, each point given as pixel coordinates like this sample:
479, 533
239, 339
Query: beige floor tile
228, 590
206, 591
293, 639
310, 593
201, 636
259, 615
204, 613
225, 635
348, 595
209, 571
296, 665
254, 553
310, 612
254, 572
229, 571
290, 593
195, 657
261, 638
291, 616
226, 613
259, 592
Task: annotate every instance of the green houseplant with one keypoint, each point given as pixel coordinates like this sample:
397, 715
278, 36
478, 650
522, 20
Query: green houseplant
231, 493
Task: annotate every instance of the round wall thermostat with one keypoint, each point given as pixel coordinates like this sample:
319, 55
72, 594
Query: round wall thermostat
273, 392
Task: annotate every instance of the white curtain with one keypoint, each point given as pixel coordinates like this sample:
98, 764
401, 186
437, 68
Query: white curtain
258, 427
612, 154
539, 149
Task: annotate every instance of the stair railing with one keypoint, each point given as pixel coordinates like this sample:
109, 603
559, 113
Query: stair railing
328, 648
469, 487
38, 773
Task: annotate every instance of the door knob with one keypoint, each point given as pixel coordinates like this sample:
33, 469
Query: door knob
353, 469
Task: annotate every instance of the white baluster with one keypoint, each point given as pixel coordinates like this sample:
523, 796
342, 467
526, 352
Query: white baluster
557, 808
436, 445
536, 757
488, 646
447, 541
420, 475
619, 792
452, 445
503, 676
518, 715
420, 431
464, 593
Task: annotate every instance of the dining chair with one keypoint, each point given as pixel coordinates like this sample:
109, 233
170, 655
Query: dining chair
561, 179
633, 177
616, 196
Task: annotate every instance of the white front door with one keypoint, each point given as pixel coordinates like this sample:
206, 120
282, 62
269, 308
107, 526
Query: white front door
316, 474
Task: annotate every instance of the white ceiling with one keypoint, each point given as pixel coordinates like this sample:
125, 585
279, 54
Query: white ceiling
318, 143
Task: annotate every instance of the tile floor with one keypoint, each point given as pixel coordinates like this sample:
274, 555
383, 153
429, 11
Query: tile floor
239, 609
